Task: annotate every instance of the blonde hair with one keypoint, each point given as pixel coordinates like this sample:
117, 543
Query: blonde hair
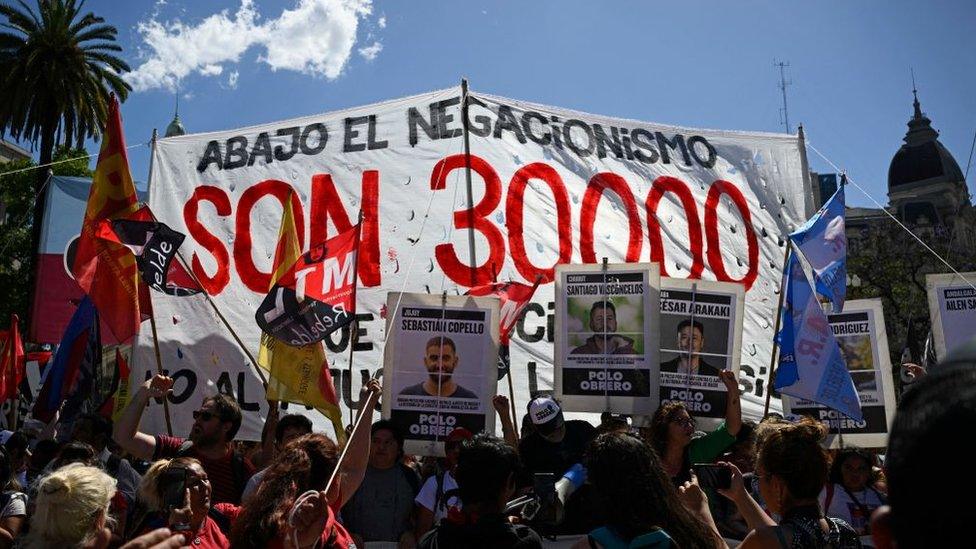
71, 503
150, 492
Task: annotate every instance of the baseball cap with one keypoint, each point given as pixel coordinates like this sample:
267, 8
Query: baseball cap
545, 414
459, 434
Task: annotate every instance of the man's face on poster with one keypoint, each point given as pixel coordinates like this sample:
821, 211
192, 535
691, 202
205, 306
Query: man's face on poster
690, 339
603, 319
440, 361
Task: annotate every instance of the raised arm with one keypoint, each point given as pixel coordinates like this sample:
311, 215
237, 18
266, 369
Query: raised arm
353, 467
262, 458
753, 514
500, 402
126, 432
733, 407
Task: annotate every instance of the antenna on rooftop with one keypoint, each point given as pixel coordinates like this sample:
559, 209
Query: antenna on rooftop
783, 82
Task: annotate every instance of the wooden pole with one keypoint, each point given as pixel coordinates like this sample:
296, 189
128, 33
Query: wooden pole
467, 177
233, 333
354, 325
779, 315
159, 363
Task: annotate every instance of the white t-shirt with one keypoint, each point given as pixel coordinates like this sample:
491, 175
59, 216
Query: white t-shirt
843, 507
16, 504
428, 493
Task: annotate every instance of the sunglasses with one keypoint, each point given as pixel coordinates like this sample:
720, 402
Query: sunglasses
204, 415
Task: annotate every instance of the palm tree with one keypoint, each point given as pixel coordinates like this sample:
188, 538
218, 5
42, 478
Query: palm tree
57, 74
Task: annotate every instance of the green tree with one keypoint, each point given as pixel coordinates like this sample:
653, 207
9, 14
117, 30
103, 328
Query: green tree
16, 220
57, 73
888, 263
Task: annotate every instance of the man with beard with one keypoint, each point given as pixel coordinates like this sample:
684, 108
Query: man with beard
211, 438
440, 359
605, 340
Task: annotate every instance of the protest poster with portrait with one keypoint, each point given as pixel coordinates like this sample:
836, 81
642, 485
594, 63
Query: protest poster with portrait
701, 335
607, 337
860, 333
952, 308
439, 367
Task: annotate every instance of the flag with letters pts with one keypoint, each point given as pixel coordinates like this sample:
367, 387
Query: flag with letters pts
316, 296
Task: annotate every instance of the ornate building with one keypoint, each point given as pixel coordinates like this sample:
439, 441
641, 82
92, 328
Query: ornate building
926, 189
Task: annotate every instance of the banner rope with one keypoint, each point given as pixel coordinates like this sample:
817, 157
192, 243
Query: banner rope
889, 214
65, 160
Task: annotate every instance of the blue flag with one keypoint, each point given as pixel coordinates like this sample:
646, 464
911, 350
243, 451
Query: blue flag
72, 373
811, 366
823, 243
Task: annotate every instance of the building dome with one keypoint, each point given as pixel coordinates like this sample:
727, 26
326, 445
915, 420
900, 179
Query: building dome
922, 158
175, 127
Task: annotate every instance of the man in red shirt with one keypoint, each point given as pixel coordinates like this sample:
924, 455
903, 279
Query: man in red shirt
211, 438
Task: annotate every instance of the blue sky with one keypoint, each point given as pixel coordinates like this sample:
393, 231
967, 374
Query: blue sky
704, 64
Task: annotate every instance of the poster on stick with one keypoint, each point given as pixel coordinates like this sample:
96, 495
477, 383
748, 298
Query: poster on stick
952, 308
550, 186
440, 367
860, 332
607, 337
701, 335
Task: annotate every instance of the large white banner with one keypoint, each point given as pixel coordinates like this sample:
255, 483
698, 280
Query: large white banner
549, 186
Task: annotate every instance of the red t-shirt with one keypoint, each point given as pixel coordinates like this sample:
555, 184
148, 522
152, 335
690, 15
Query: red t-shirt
220, 471
333, 531
209, 535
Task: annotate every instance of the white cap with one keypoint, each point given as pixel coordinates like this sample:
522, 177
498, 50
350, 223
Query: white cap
545, 414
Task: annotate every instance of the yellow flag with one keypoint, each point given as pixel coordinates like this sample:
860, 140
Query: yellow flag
297, 374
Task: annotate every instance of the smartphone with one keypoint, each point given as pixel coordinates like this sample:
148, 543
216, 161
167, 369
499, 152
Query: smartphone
713, 476
172, 482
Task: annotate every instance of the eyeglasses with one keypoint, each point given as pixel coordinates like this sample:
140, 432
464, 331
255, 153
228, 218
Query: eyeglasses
203, 415
689, 421
857, 468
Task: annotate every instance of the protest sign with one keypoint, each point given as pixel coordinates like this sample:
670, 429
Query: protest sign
701, 335
439, 368
952, 308
607, 337
860, 332
549, 186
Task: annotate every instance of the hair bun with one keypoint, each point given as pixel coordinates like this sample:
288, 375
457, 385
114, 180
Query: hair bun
56, 487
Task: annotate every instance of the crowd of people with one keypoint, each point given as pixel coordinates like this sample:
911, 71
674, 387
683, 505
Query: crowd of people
611, 485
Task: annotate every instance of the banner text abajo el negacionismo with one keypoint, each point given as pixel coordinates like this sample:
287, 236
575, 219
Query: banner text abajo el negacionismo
550, 186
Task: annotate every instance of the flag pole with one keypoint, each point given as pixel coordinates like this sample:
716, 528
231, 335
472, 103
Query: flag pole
467, 177
12, 362
354, 325
511, 389
159, 362
779, 316
237, 338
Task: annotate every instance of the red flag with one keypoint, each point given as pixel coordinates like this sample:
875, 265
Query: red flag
105, 270
514, 296
316, 295
12, 365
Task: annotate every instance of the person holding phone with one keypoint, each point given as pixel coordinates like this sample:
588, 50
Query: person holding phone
179, 492
792, 469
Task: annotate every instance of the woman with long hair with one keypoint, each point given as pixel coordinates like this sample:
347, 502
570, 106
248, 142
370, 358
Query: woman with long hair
305, 465
673, 429
792, 469
290, 507
851, 492
640, 504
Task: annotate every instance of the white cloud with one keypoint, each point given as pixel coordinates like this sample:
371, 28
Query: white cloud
371, 51
316, 37
382, 22
232, 79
